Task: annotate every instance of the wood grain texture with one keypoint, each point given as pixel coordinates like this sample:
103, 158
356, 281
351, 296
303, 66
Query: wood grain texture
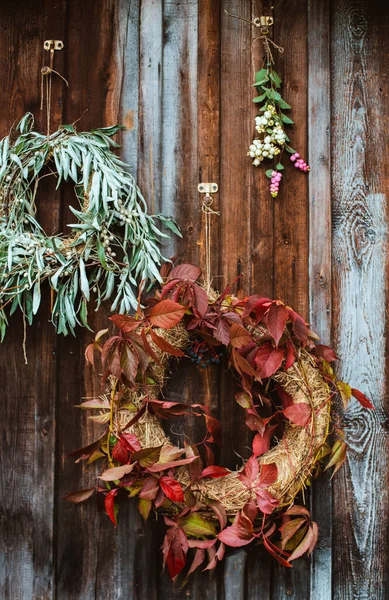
178, 75
28, 409
320, 299
360, 176
291, 216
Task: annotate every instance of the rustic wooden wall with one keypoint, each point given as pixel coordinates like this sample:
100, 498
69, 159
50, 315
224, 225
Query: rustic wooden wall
178, 74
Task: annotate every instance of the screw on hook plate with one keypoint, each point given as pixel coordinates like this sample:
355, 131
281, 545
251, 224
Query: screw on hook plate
207, 188
53, 45
263, 23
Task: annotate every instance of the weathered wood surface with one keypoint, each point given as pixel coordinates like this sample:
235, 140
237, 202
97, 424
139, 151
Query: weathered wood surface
178, 74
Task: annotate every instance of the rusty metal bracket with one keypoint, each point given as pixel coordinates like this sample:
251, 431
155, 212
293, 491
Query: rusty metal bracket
53, 45
207, 188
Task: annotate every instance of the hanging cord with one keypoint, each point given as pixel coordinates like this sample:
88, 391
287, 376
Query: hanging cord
46, 85
262, 24
208, 212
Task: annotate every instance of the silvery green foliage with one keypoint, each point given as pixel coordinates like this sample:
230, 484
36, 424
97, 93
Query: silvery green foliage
113, 243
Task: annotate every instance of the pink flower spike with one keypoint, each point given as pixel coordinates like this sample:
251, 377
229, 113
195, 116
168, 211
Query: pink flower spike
293, 157
297, 155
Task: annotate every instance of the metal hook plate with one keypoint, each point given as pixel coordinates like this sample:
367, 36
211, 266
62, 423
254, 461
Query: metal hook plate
53, 45
207, 188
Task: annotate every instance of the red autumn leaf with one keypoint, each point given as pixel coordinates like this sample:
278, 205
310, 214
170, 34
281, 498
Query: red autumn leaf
120, 452
185, 271
286, 398
240, 533
77, 496
315, 531
219, 511
197, 561
241, 364
257, 305
147, 347
266, 501
268, 475
296, 509
90, 354
217, 556
325, 352
362, 399
116, 472
164, 344
299, 326
290, 528
250, 510
157, 467
275, 552
129, 362
150, 488
196, 466
125, 323
222, 332
209, 455
254, 421
130, 441
239, 335
268, 360
109, 504
172, 489
147, 457
214, 427
276, 321
250, 472
290, 355
166, 314
299, 413
214, 472
261, 442
174, 550
200, 300
87, 451
303, 546
203, 544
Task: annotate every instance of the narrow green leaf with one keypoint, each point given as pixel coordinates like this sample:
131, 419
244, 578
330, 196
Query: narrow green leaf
84, 284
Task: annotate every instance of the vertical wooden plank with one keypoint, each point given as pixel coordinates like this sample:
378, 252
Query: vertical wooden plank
234, 574
28, 391
93, 559
319, 114
290, 215
235, 206
291, 224
261, 203
360, 177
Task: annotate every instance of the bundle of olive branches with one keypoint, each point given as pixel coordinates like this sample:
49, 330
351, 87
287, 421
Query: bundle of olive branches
113, 245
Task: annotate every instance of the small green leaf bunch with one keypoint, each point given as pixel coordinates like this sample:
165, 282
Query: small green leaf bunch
113, 244
270, 125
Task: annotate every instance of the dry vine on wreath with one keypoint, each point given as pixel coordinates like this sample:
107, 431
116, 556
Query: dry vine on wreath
286, 388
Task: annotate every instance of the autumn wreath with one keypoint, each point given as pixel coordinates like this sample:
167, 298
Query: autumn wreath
286, 387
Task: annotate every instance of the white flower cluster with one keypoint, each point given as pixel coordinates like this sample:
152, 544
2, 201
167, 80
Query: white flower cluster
273, 139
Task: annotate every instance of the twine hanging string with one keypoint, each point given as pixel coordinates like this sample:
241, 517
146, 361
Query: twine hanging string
208, 212
46, 86
259, 23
